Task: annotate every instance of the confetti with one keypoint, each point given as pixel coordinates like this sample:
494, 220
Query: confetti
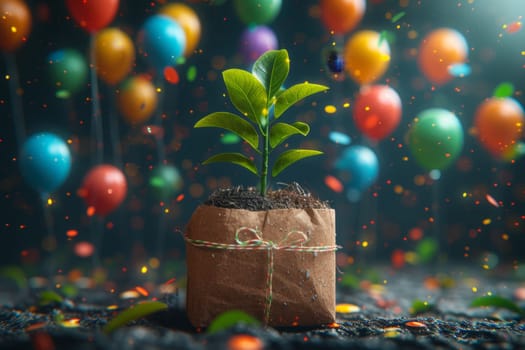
347, 308
339, 138
492, 201
505, 89
514, 27
459, 70
397, 16
245, 342
415, 324
191, 74
330, 109
333, 183
84, 249
171, 75
230, 138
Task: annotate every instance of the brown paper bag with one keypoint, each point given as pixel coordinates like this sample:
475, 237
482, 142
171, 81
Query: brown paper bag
224, 275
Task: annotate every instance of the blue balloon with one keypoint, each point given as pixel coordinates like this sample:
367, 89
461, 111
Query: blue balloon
360, 168
162, 40
45, 162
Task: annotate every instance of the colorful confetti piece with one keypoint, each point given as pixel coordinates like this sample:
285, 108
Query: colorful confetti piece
339, 138
505, 89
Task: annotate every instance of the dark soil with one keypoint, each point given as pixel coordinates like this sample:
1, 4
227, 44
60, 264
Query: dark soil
293, 196
381, 318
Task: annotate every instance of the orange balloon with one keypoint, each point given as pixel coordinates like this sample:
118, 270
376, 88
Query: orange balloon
499, 125
188, 20
439, 50
15, 24
137, 99
367, 56
114, 55
341, 16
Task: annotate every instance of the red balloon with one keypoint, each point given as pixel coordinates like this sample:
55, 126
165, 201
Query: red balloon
103, 189
342, 16
377, 111
93, 15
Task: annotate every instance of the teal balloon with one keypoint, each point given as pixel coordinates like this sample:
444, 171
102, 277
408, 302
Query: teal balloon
254, 12
68, 71
165, 181
436, 138
45, 162
359, 167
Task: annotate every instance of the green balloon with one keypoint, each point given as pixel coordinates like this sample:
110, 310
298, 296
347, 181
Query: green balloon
436, 138
165, 181
255, 12
68, 71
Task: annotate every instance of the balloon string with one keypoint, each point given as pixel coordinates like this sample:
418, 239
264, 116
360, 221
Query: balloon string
16, 100
97, 141
114, 131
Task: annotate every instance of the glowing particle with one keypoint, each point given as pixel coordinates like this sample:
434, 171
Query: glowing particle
13, 29
459, 70
339, 138
486, 221
491, 200
364, 244
142, 291
144, 269
191, 74
171, 75
71, 323
333, 183
245, 342
171, 281
62, 94
505, 89
474, 289
391, 332
84, 249
334, 325
129, 294
415, 324
90, 211
153, 130
180, 197
347, 308
50, 201
397, 16
330, 109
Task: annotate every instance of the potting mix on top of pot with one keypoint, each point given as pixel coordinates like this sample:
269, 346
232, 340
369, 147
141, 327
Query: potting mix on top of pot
422, 137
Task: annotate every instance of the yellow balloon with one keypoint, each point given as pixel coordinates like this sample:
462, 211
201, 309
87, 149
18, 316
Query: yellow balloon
367, 56
137, 99
188, 20
114, 55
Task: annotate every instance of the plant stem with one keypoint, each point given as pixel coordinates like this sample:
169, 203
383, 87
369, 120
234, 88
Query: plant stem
265, 157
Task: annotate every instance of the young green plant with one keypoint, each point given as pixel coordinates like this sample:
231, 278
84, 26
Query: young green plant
259, 97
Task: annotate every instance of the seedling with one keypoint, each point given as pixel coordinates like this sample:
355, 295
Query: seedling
259, 97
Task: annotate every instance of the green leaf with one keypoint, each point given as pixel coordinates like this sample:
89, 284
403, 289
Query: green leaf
234, 158
233, 123
291, 156
420, 307
281, 131
229, 319
246, 93
47, 297
272, 68
497, 301
294, 94
134, 313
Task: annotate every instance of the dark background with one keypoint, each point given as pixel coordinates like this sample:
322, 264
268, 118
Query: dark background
386, 214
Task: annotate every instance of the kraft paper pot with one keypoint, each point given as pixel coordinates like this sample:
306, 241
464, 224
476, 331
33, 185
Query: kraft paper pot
276, 265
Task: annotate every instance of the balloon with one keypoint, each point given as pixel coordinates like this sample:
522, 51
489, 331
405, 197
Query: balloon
377, 111
137, 99
439, 51
189, 21
15, 24
165, 181
436, 138
162, 41
45, 162
341, 16
360, 168
499, 123
257, 40
68, 71
104, 187
114, 55
335, 62
366, 56
257, 11
93, 15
